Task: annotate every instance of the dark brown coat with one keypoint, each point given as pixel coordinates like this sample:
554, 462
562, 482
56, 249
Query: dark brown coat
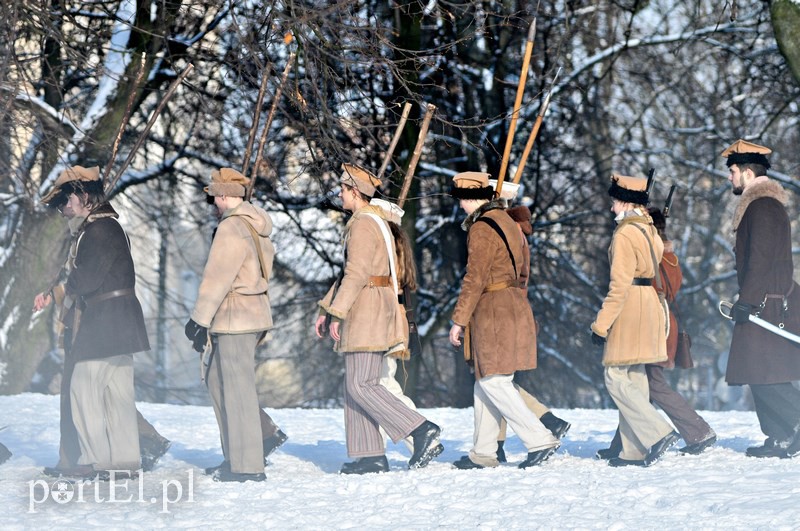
764, 266
671, 279
502, 330
103, 264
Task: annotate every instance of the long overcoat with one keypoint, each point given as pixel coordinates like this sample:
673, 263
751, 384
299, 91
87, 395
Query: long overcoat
764, 266
103, 264
632, 317
502, 331
372, 319
233, 297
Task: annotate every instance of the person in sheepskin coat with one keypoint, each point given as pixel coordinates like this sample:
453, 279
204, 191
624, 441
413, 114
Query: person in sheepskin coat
493, 315
233, 311
368, 323
765, 361
631, 325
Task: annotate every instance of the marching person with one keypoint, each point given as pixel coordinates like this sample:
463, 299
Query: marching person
631, 325
101, 283
152, 444
232, 311
493, 315
367, 324
694, 430
759, 358
557, 426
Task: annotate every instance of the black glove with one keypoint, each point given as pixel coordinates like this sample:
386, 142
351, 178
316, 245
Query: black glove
197, 334
598, 339
741, 312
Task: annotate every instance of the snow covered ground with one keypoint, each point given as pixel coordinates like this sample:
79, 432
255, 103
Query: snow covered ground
721, 489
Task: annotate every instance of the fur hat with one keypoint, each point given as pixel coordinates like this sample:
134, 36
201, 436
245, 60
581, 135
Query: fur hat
472, 185
743, 152
629, 189
78, 177
228, 182
522, 215
360, 179
393, 212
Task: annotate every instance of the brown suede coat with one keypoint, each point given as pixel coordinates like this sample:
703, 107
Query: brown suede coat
372, 318
764, 265
671, 279
233, 298
502, 330
103, 264
632, 317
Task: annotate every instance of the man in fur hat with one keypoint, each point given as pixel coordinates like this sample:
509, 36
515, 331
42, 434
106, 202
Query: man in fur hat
759, 358
233, 311
495, 347
100, 285
631, 325
367, 324
152, 444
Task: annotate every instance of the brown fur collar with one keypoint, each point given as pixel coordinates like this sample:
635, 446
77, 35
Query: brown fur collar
758, 190
481, 210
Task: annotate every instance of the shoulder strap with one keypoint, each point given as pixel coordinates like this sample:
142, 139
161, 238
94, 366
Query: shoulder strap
387, 238
656, 269
259, 251
493, 224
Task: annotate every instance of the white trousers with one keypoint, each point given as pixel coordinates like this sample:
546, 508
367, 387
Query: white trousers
640, 424
388, 370
104, 413
496, 398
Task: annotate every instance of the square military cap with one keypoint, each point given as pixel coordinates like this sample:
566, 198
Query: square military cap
744, 152
471, 185
227, 182
360, 179
72, 174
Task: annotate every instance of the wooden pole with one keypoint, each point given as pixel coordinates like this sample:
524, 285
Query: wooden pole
517, 104
170, 91
125, 118
251, 138
263, 140
412, 166
395, 139
534, 132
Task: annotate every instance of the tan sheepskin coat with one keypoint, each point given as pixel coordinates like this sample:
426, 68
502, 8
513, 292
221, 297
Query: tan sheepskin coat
502, 330
233, 298
632, 318
372, 318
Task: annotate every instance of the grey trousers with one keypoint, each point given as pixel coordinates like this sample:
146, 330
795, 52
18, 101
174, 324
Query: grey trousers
232, 386
689, 424
640, 424
368, 405
104, 413
777, 409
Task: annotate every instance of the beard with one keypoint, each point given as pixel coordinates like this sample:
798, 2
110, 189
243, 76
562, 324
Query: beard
737, 190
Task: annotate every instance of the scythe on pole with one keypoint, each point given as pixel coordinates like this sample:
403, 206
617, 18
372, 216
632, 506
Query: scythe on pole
251, 138
535, 131
139, 141
125, 118
263, 140
395, 139
412, 166
517, 104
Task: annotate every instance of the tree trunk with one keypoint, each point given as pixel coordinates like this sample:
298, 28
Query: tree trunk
786, 24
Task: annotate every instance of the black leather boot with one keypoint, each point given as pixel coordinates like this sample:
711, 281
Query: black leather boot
501, 453
366, 465
558, 427
426, 445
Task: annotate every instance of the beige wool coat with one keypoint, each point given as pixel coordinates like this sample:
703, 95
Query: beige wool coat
233, 297
372, 319
502, 333
632, 318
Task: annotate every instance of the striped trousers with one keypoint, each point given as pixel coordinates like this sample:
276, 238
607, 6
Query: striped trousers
368, 405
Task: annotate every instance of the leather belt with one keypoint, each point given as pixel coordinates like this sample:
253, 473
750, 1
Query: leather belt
497, 286
110, 295
379, 282
640, 281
